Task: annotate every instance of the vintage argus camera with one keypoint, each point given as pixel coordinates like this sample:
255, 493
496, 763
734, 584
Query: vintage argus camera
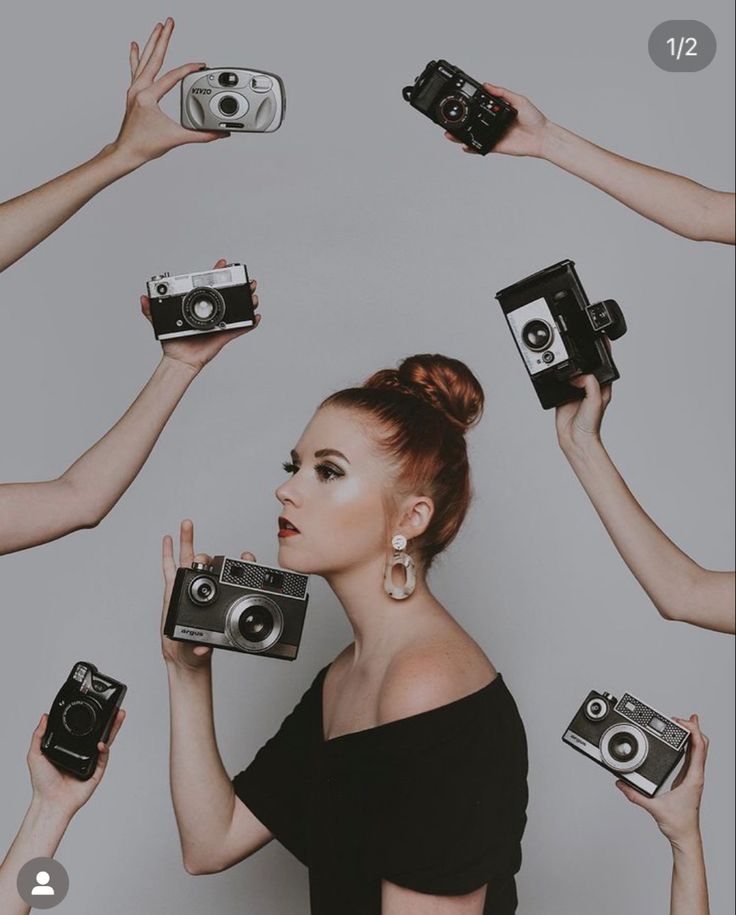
239, 605
559, 333
82, 715
629, 738
200, 303
461, 105
243, 101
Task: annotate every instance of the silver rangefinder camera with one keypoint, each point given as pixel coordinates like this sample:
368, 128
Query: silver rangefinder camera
242, 101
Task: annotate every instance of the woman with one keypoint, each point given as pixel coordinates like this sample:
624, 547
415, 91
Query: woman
57, 797
146, 133
678, 586
35, 513
400, 777
679, 204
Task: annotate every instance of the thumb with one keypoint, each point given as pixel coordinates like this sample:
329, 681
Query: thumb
636, 797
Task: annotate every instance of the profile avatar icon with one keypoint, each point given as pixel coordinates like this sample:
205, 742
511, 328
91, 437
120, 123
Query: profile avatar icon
42, 888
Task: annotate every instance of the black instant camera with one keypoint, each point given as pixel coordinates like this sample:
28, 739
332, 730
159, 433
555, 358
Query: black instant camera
629, 738
559, 333
82, 715
461, 105
201, 303
239, 605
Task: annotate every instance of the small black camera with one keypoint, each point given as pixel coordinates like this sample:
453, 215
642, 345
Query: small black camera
461, 105
239, 605
559, 334
201, 303
82, 715
629, 738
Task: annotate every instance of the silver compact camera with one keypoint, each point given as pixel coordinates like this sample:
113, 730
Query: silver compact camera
201, 303
238, 605
245, 101
629, 738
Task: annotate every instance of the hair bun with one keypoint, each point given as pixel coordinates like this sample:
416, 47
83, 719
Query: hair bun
446, 384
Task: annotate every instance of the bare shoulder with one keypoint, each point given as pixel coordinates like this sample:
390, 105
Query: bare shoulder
432, 674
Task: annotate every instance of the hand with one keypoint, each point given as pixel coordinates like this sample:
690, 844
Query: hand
579, 422
198, 350
146, 132
184, 655
63, 791
677, 813
525, 136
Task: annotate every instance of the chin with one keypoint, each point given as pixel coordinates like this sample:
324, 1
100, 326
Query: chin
289, 558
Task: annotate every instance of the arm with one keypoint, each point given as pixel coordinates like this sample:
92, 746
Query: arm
677, 814
677, 203
216, 829
34, 513
56, 798
145, 134
679, 588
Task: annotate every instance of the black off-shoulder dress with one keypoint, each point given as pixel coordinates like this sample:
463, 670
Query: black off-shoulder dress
435, 802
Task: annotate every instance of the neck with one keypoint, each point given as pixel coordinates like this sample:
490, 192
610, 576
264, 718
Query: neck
381, 625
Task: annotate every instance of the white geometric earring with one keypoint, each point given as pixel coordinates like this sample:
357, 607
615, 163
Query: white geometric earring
399, 558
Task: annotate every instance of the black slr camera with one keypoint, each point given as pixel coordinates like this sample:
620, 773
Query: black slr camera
82, 715
200, 303
461, 105
629, 738
559, 333
239, 605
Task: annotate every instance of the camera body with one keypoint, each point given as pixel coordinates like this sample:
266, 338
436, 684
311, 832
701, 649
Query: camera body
559, 334
629, 738
231, 98
239, 605
200, 303
82, 715
460, 105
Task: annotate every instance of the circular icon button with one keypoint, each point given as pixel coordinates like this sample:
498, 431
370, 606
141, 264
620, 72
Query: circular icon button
682, 46
42, 883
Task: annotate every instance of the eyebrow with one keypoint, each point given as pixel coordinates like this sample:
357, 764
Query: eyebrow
323, 452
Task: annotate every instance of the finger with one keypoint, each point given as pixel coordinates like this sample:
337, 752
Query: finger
248, 557
38, 734
636, 797
504, 93
146, 306
155, 61
167, 559
101, 762
202, 136
606, 394
134, 59
255, 301
452, 138
253, 285
698, 753
592, 390
220, 263
116, 725
578, 381
167, 82
148, 48
186, 543
202, 651
204, 558
468, 149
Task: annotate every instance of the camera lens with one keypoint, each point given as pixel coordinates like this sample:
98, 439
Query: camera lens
624, 747
228, 79
453, 110
162, 288
256, 625
79, 718
537, 334
596, 709
228, 105
203, 308
202, 590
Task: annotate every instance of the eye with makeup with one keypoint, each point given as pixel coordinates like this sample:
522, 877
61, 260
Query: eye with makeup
325, 471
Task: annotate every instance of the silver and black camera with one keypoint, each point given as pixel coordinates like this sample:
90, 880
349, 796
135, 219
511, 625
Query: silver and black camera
629, 738
82, 715
239, 605
243, 101
559, 333
201, 303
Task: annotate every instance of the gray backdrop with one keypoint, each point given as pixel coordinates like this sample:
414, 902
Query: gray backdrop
372, 238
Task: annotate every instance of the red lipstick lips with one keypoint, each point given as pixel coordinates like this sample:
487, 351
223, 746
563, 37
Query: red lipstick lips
286, 528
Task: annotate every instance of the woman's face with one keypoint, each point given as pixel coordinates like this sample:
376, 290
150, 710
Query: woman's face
333, 506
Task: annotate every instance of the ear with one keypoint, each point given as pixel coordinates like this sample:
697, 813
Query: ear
415, 516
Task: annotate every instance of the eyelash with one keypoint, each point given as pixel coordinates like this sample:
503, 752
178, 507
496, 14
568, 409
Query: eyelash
326, 472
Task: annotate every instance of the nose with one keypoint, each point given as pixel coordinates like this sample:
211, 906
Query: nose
288, 492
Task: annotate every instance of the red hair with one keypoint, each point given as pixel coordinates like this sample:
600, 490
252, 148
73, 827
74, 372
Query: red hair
425, 407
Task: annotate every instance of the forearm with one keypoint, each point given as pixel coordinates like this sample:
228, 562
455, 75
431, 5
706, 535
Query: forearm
28, 219
689, 882
202, 793
34, 513
678, 586
673, 201
39, 837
